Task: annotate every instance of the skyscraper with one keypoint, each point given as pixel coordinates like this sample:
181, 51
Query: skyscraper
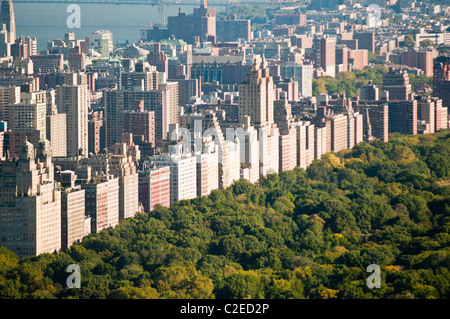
30, 204
339, 132
301, 73
140, 122
366, 40
403, 117
164, 102
199, 26
7, 18
376, 115
397, 84
256, 95
256, 100
232, 30
425, 112
325, 52
29, 114
158, 58
369, 92
183, 172
154, 187
57, 133
74, 101
102, 42
73, 218
102, 203
422, 59
441, 79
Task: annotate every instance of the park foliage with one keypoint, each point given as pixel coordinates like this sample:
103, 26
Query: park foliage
298, 234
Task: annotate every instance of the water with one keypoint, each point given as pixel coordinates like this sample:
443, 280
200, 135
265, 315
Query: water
48, 21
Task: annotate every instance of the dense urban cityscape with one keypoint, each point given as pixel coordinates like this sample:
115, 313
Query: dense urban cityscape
94, 132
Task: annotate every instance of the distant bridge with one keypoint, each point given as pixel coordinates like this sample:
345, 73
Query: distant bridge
213, 3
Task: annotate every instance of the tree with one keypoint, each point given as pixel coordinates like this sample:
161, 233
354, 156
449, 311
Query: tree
427, 43
243, 284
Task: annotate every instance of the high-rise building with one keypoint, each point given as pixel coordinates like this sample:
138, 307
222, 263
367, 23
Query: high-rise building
342, 58
102, 202
74, 101
422, 59
122, 165
441, 79
140, 122
288, 133
31, 44
376, 115
96, 132
77, 60
119, 163
57, 133
256, 98
440, 114
233, 29
102, 42
13, 140
19, 49
164, 102
369, 92
296, 19
256, 95
30, 113
403, 117
197, 27
354, 129
301, 73
7, 18
183, 172
5, 46
3, 127
366, 40
73, 217
207, 167
154, 187
358, 58
158, 58
305, 144
8, 95
143, 78
48, 63
397, 84
339, 132
249, 151
320, 142
207, 123
30, 204
325, 54
188, 89
425, 112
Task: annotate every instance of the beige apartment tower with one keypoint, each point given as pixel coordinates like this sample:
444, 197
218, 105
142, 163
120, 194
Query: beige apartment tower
30, 204
73, 216
74, 101
57, 133
256, 104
